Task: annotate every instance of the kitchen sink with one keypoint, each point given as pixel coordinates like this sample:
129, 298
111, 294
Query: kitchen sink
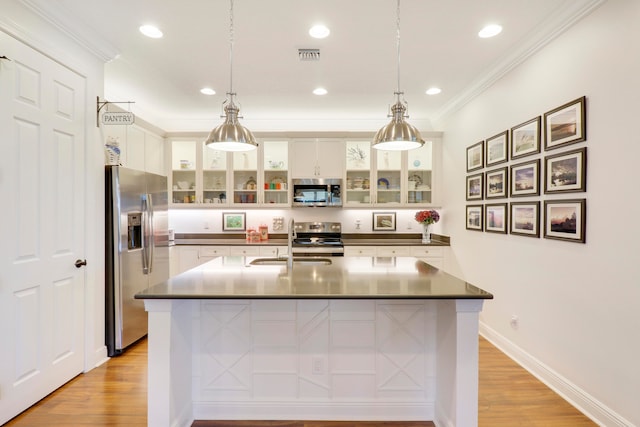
296, 260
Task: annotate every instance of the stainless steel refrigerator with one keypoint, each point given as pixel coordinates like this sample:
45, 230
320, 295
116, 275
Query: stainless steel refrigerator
136, 250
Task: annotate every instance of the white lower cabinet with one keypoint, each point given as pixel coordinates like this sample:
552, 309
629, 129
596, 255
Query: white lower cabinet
244, 250
273, 251
433, 255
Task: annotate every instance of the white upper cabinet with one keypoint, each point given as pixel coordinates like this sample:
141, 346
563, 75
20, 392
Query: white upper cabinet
317, 158
140, 149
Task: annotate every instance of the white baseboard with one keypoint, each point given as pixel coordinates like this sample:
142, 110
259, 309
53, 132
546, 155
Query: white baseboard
579, 398
365, 411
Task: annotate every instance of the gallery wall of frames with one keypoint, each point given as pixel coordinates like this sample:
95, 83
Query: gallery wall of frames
528, 180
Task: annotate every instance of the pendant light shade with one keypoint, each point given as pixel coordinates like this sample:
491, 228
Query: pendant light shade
231, 135
398, 135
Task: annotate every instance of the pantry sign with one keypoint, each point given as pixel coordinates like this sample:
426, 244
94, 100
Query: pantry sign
118, 118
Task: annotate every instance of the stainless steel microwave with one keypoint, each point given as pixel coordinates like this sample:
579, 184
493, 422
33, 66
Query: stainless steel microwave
317, 192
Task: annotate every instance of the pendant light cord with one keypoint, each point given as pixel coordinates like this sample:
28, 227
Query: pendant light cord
231, 48
398, 44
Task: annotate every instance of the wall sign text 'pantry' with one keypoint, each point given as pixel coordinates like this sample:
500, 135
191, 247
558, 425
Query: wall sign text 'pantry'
118, 118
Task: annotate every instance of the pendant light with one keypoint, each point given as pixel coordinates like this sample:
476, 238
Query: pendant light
231, 135
398, 134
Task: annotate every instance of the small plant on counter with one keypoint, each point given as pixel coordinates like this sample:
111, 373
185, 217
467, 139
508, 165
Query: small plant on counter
427, 217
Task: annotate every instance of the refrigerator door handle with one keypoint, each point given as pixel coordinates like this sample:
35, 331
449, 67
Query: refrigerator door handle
145, 234
151, 242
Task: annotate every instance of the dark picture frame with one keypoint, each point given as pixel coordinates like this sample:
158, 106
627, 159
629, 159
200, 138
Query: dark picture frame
475, 187
496, 218
566, 124
524, 219
384, 221
474, 217
525, 138
475, 156
496, 183
496, 149
525, 179
566, 172
565, 220
233, 221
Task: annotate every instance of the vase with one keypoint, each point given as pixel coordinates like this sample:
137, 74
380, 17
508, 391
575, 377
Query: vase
426, 233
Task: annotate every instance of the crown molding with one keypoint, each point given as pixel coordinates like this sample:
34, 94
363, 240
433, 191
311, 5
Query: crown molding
62, 19
558, 22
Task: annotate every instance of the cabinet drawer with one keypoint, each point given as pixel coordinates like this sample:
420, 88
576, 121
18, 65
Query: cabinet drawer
273, 250
244, 251
426, 251
393, 251
360, 251
213, 251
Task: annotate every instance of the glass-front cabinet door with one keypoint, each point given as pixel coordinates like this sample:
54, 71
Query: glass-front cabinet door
245, 177
358, 170
389, 177
419, 174
214, 176
183, 172
275, 169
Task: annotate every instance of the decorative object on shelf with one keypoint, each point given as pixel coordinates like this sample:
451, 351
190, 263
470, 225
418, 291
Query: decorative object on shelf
357, 155
251, 184
383, 184
231, 135
276, 165
398, 134
112, 151
427, 218
415, 181
384, 221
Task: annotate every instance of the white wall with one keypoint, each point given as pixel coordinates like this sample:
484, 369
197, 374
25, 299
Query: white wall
577, 304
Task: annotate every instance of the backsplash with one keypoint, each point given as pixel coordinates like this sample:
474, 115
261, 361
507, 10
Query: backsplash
353, 220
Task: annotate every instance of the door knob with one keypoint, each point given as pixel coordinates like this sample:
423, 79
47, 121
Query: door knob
80, 262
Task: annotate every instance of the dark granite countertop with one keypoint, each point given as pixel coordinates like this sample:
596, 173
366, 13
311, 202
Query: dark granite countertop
344, 278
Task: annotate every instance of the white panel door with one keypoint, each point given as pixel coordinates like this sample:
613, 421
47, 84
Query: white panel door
42, 116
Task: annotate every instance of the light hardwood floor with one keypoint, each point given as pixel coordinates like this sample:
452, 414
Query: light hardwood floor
115, 395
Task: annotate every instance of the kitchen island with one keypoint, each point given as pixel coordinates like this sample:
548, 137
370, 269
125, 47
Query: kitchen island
353, 338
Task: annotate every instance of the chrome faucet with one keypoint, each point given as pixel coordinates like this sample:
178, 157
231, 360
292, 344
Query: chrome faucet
292, 235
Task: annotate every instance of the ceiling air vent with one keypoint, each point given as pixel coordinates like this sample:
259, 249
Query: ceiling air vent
309, 54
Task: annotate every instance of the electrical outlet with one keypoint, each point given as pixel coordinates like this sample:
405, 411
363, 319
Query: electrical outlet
317, 365
358, 222
514, 322
206, 225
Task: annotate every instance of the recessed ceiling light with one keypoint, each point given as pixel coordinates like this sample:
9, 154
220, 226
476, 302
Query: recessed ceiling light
319, 31
490, 31
151, 31
320, 91
207, 91
433, 91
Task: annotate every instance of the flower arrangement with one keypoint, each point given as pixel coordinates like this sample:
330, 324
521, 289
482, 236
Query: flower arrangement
427, 217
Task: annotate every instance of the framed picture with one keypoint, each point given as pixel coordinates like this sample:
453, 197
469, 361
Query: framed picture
496, 183
474, 217
384, 221
525, 179
525, 138
565, 220
525, 219
566, 172
566, 124
497, 149
475, 186
233, 221
475, 156
495, 218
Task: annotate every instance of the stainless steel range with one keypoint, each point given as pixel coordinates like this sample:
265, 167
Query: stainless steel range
318, 239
